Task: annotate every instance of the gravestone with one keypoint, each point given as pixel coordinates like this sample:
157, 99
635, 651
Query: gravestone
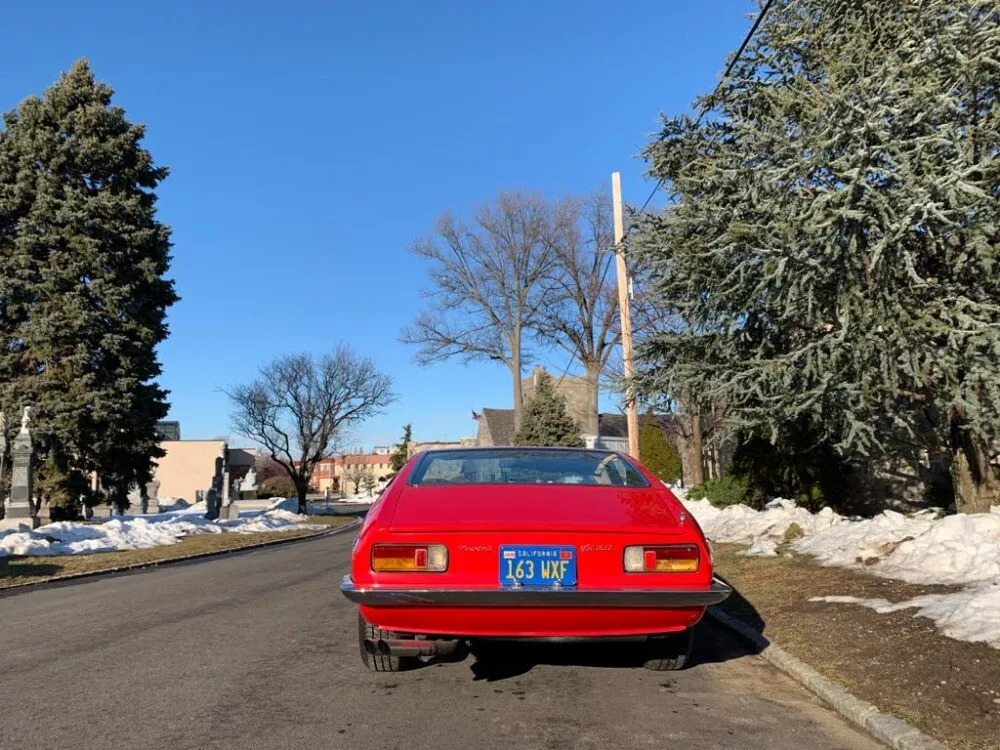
230, 510
153, 496
212, 505
3, 460
104, 510
248, 487
215, 493
44, 515
20, 512
135, 501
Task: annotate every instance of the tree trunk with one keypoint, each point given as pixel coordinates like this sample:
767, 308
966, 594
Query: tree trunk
301, 490
591, 424
515, 372
696, 460
976, 483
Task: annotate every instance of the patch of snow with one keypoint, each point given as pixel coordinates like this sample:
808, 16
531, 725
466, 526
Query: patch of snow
922, 548
972, 614
125, 533
761, 547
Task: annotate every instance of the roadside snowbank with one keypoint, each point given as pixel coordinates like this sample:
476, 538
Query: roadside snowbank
962, 549
69, 538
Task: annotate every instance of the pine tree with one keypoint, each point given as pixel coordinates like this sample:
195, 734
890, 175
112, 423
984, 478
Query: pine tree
831, 246
657, 453
402, 452
546, 420
83, 296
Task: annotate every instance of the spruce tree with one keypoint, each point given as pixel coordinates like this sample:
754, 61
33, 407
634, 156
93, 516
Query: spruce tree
402, 452
546, 420
831, 242
657, 453
83, 297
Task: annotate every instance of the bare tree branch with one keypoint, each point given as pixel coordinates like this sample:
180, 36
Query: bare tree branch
298, 406
491, 280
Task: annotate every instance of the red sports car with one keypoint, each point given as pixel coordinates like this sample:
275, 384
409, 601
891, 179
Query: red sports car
558, 543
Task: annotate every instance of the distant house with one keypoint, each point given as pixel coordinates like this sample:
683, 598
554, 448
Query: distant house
496, 427
430, 445
329, 472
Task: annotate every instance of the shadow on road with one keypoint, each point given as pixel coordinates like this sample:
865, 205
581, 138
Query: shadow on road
496, 661
713, 643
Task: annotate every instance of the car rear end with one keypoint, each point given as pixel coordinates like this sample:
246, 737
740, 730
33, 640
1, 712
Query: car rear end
593, 547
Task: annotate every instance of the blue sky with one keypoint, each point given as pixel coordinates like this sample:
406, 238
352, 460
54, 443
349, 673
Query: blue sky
310, 142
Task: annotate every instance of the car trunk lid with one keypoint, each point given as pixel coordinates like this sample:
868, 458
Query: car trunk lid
534, 508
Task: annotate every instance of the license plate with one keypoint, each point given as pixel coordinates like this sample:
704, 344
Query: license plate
536, 565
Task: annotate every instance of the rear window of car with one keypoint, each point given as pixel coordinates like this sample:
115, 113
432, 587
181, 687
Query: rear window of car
591, 468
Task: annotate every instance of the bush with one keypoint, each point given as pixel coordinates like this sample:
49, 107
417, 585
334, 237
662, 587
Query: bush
657, 453
279, 486
724, 491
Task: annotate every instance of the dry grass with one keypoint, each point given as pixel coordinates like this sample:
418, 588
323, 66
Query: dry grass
899, 662
18, 570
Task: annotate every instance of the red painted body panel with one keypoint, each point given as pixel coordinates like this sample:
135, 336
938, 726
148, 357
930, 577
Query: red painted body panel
474, 520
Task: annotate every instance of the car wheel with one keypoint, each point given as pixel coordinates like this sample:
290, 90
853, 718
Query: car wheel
670, 653
380, 662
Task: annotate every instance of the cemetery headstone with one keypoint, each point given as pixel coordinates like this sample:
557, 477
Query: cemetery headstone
230, 510
153, 496
3, 459
135, 501
19, 510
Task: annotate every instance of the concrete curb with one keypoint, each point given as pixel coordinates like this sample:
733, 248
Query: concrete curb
888, 729
21, 588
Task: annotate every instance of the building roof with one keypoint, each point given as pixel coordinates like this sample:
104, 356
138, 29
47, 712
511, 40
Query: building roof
500, 423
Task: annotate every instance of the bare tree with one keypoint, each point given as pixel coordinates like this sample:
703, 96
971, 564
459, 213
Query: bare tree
583, 317
354, 473
491, 280
297, 407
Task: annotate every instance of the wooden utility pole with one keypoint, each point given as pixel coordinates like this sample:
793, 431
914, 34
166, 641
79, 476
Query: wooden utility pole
632, 416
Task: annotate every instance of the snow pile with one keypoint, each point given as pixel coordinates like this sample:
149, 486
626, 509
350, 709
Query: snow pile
969, 615
962, 549
739, 524
69, 538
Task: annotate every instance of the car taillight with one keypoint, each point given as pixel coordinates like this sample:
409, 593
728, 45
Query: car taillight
673, 558
401, 557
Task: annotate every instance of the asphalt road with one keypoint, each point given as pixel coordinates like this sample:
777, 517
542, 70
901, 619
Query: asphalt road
259, 650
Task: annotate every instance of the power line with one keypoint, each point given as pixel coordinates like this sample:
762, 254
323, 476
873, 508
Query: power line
729, 69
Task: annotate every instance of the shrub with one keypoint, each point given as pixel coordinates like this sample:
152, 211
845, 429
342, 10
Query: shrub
724, 491
279, 486
657, 453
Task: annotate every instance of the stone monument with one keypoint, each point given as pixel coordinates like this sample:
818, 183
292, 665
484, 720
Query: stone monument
230, 510
3, 459
135, 501
249, 483
153, 495
20, 513
215, 493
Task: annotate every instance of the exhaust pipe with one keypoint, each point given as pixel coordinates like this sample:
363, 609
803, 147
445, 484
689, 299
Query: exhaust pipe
393, 647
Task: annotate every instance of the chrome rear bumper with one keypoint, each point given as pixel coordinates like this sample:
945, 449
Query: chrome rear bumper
535, 597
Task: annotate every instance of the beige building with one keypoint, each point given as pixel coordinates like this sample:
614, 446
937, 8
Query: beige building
329, 473
188, 466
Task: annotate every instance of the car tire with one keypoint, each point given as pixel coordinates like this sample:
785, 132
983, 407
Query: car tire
670, 653
380, 662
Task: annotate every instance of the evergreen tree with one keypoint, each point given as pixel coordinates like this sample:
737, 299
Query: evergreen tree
831, 244
657, 453
546, 420
83, 296
402, 452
